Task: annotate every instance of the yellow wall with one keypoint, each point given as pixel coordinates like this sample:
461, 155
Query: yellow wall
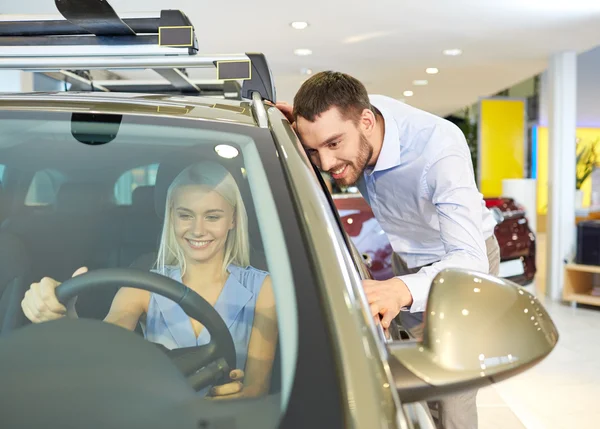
501, 144
542, 167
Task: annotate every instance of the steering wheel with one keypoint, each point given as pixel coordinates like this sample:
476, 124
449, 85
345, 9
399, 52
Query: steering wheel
202, 365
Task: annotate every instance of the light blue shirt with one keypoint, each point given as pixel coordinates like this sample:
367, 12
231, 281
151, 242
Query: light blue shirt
423, 193
167, 323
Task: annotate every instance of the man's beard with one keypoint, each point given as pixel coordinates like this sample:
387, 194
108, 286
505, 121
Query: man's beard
358, 166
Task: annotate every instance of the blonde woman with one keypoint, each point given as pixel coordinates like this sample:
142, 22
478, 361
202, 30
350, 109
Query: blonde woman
204, 245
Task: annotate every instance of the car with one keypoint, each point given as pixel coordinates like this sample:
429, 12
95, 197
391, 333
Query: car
515, 238
85, 180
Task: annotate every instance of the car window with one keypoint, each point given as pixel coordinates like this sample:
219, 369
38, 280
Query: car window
184, 199
132, 179
44, 187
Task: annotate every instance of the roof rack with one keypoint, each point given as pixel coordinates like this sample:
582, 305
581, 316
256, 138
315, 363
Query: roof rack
84, 81
92, 36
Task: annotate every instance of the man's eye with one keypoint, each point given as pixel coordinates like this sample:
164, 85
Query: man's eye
333, 145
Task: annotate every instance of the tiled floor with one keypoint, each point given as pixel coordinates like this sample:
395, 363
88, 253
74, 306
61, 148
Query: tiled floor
563, 391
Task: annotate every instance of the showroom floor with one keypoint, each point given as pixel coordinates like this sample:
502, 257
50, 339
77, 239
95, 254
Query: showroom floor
563, 391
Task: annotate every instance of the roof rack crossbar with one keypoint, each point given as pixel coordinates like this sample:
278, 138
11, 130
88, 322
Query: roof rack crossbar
179, 80
61, 27
114, 63
78, 83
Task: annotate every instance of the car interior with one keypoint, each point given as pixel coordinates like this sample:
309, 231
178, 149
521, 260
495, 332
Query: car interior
65, 205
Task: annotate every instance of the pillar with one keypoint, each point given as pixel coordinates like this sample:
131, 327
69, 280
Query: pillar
561, 230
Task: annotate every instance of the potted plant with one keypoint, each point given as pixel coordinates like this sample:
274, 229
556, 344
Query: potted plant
587, 158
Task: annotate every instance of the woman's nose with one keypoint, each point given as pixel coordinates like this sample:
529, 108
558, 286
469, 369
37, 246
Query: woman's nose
198, 228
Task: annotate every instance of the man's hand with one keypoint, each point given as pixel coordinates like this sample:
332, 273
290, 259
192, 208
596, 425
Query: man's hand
287, 110
387, 298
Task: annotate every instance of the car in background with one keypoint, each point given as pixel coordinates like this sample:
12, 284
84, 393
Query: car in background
516, 240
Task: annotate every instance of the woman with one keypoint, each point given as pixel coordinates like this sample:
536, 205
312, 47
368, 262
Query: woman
204, 245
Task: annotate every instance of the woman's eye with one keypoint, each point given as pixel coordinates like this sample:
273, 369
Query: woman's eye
184, 216
213, 218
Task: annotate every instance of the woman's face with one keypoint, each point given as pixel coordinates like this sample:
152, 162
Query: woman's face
202, 220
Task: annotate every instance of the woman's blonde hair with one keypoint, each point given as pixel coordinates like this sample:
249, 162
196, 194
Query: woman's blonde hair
215, 177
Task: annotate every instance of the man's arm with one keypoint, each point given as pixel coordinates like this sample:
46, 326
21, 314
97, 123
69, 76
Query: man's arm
450, 181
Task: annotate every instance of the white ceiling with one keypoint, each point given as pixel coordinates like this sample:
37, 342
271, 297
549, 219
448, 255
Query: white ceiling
388, 43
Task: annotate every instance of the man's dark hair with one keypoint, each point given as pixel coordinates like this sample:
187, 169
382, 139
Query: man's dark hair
330, 89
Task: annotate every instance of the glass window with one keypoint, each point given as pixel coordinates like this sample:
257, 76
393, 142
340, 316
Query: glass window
129, 181
44, 188
222, 207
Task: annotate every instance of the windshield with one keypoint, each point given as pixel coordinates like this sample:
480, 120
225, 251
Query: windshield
184, 199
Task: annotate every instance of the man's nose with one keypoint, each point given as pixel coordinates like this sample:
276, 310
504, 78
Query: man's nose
327, 161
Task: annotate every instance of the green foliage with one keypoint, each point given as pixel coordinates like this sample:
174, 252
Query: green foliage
587, 159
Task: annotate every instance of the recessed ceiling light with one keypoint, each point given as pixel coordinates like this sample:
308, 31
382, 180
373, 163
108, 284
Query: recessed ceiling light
226, 151
431, 70
306, 71
299, 25
452, 52
302, 52
408, 93
420, 82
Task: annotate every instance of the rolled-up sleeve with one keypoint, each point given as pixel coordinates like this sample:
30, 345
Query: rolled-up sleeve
450, 183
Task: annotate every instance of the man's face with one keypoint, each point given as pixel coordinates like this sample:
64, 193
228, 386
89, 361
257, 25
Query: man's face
337, 145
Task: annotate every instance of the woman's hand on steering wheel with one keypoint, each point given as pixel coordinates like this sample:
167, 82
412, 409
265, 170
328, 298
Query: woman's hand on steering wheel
40, 303
229, 390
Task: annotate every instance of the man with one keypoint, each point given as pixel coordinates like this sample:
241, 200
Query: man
415, 170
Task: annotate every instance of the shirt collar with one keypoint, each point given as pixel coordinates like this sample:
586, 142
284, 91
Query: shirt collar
389, 157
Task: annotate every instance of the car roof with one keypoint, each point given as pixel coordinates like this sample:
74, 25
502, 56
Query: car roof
192, 107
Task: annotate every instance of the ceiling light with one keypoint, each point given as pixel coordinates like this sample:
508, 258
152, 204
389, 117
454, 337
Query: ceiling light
408, 93
299, 25
431, 70
420, 82
302, 52
306, 71
452, 52
226, 151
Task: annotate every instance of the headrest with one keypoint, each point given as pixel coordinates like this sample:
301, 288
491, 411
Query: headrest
169, 170
142, 198
82, 197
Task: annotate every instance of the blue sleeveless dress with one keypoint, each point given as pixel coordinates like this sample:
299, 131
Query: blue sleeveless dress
167, 323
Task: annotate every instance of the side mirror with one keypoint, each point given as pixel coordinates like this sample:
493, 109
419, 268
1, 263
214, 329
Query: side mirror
478, 330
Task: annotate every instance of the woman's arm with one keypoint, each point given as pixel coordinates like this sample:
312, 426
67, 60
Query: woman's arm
127, 307
261, 349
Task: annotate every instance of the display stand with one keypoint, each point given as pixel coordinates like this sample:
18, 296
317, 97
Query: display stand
579, 282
